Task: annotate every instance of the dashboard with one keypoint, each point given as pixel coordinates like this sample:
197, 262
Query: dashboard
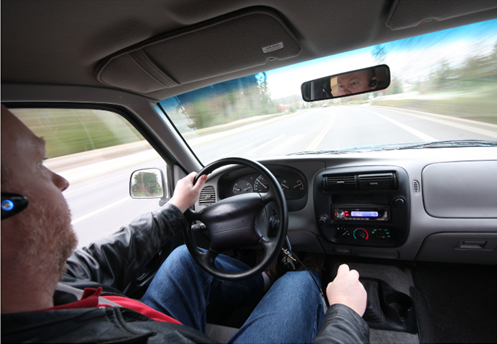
428, 205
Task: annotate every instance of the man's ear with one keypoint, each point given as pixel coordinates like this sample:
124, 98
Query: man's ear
374, 82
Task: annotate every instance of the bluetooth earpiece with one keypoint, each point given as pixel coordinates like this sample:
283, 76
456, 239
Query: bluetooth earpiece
373, 83
12, 204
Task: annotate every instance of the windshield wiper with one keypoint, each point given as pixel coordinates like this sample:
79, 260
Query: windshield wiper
434, 144
449, 144
321, 152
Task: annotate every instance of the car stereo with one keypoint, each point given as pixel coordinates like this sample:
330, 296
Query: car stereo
363, 205
360, 213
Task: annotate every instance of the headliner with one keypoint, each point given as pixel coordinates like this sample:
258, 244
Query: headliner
61, 42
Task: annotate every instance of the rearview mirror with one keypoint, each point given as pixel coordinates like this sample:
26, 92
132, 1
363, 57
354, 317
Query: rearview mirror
347, 84
147, 183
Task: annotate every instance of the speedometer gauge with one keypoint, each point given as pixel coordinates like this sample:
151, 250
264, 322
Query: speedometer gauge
240, 187
261, 184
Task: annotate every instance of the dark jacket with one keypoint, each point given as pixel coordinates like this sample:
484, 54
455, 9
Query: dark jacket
112, 263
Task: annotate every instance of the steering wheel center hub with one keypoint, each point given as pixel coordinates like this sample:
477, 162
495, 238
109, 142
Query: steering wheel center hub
240, 221
233, 222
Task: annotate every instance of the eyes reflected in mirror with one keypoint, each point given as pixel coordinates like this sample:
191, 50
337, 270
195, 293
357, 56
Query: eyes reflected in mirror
147, 183
347, 84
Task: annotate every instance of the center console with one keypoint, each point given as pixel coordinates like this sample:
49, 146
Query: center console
363, 206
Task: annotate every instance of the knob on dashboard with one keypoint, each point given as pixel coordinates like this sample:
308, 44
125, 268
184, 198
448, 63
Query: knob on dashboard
361, 233
399, 202
323, 219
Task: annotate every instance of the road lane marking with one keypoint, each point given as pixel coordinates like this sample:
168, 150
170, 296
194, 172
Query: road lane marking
321, 135
464, 124
415, 132
98, 211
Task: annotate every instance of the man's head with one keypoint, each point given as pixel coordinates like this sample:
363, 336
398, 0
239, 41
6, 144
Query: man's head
39, 239
356, 82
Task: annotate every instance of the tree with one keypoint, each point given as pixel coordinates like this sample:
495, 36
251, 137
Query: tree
379, 53
146, 185
265, 96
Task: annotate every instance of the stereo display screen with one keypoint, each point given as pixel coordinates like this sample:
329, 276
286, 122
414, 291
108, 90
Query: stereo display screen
364, 214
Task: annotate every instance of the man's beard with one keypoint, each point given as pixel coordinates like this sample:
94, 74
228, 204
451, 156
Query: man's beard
48, 237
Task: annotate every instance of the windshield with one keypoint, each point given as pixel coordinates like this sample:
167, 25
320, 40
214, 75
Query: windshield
443, 89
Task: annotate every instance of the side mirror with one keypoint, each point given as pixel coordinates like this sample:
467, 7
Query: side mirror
147, 183
347, 84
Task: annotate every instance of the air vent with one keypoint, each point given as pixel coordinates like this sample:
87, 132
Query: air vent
416, 187
207, 196
377, 181
339, 182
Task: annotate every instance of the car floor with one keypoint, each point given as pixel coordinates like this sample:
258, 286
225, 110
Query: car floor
456, 303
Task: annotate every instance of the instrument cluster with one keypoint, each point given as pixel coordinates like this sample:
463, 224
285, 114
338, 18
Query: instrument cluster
293, 187
245, 180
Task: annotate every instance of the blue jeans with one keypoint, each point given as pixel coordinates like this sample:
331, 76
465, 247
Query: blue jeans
290, 312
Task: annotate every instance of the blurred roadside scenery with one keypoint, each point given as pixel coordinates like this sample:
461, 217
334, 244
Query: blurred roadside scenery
71, 131
462, 85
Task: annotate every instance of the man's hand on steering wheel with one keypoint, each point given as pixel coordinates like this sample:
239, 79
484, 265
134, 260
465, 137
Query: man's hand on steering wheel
186, 193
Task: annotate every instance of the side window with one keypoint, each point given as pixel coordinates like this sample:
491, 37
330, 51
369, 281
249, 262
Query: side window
96, 151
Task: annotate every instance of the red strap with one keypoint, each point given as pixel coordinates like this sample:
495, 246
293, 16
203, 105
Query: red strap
90, 300
141, 308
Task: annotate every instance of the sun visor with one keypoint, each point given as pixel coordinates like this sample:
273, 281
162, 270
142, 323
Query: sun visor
408, 13
234, 43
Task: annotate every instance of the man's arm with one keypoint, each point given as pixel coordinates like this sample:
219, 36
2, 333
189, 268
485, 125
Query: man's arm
343, 322
114, 261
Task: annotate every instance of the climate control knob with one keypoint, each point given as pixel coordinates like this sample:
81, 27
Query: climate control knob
361, 234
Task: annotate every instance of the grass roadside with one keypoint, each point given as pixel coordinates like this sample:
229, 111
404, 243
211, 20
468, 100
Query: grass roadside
232, 125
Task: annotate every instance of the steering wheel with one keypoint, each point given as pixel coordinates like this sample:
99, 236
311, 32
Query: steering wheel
239, 221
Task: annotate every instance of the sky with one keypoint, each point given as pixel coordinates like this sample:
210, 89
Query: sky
409, 59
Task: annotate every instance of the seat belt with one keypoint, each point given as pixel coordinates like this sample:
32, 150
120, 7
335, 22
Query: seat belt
79, 293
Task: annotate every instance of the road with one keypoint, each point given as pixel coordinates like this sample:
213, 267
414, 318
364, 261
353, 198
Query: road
336, 128
101, 205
